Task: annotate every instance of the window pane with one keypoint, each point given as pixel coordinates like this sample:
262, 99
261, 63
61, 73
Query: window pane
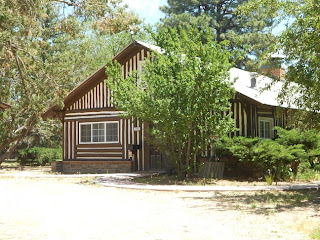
85, 132
267, 129
112, 132
98, 132
261, 129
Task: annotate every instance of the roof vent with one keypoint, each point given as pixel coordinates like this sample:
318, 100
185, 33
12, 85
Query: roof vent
253, 82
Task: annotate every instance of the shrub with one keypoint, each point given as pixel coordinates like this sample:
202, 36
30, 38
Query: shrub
310, 140
291, 152
38, 156
238, 147
276, 159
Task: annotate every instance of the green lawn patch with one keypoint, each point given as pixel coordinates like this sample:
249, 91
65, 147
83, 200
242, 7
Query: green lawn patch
316, 233
174, 180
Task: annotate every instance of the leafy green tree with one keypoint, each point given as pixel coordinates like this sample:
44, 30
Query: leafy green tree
248, 31
46, 48
300, 43
185, 97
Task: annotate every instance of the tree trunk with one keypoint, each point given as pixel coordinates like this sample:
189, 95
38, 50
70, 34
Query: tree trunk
188, 153
16, 140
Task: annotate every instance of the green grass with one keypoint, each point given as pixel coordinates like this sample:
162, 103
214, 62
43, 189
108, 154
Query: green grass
308, 175
10, 164
268, 202
286, 198
174, 180
316, 233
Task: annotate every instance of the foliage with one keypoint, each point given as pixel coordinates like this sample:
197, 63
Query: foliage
308, 174
269, 178
238, 147
310, 139
315, 233
182, 93
274, 158
46, 48
38, 156
293, 152
247, 31
299, 44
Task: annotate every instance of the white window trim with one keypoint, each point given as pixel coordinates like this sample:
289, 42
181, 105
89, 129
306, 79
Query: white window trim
105, 122
266, 119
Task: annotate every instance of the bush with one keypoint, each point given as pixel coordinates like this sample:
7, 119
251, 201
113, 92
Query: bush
37, 156
282, 158
278, 160
238, 147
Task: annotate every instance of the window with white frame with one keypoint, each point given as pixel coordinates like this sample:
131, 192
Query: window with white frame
100, 132
265, 127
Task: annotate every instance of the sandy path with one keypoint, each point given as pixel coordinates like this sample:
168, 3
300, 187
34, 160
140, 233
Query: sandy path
63, 209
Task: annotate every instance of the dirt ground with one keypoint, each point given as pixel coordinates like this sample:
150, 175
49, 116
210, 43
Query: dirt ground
76, 209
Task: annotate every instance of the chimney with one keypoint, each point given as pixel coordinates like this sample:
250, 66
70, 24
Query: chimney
253, 79
275, 69
253, 82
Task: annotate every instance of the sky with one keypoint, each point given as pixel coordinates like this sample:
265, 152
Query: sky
150, 12
147, 9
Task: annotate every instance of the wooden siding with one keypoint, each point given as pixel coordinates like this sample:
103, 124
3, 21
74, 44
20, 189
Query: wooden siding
96, 105
98, 97
246, 114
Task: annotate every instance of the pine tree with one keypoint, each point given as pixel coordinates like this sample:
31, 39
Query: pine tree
248, 32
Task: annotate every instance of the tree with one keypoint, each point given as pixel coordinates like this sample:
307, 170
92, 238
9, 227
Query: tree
249, 32
45, 50
186, 96
300, 43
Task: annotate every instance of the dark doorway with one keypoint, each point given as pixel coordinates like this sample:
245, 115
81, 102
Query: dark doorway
158, 160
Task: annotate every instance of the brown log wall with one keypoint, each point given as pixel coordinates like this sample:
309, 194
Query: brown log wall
96, 105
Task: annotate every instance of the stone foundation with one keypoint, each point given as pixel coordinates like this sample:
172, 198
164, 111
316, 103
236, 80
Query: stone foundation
73, 167
56, 166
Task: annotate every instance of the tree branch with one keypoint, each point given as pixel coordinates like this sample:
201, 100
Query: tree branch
70, 4
16, 140
19, 69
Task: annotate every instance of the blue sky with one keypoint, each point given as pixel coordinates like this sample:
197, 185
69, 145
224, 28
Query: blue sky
147, 9
150, 12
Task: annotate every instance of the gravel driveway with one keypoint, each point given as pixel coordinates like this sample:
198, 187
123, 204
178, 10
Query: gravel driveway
60, 209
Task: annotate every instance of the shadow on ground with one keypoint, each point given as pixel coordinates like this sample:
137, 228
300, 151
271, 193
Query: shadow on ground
263, 202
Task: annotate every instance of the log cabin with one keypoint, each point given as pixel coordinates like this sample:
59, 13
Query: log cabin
97, 140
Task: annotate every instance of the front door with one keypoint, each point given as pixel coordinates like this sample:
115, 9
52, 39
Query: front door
158, 160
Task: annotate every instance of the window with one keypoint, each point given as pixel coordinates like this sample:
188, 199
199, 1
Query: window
102, 132
265, 127
86, 133
98, 132
112, 132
